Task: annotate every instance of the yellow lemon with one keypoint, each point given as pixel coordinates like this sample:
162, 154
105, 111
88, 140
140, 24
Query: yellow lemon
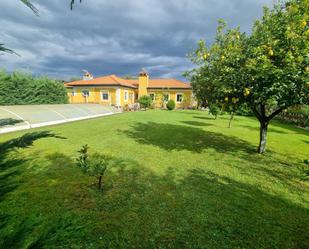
205, 56
234, 100
247, 91
222, 57
271, 52
303, 24
226, 99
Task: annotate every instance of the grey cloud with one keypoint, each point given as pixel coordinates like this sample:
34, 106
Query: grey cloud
117, 36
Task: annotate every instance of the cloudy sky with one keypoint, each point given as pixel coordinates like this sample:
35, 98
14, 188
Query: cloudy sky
114, 36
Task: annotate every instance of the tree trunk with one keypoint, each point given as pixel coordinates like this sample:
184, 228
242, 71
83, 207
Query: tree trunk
263, 137
260, 112
231, 118
100, 182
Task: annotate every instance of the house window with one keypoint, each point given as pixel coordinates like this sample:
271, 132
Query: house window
179, 97
73, 93
131, 96
85, 93
104, 95
166, 97
152, 96
125, 95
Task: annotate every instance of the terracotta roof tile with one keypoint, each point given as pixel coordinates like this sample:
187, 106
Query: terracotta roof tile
168, 83
111, 80
108, 80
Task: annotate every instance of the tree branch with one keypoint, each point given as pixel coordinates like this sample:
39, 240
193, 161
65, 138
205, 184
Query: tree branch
263, 112
275, 113
31, 6
7, 50
256, 113
72, 3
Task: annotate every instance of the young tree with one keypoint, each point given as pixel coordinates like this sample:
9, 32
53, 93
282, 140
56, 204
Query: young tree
214, 110
267, 70
93, 165
230, 105
98, 167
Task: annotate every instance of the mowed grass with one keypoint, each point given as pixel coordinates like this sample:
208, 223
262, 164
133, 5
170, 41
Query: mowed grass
179, 179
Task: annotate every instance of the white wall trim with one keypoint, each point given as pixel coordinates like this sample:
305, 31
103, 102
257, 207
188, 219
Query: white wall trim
126, 92
105, 91
118, 97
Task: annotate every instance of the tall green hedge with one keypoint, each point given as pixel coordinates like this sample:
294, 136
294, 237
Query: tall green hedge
23, 89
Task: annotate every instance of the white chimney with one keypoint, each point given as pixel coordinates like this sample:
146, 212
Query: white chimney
87, 75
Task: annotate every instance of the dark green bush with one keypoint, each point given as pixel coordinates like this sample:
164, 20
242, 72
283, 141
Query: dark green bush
170, 105
145, 101
23, 89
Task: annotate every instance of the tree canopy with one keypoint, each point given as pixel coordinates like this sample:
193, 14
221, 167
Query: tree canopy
267, 70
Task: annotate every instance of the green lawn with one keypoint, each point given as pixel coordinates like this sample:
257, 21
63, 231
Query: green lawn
179, 180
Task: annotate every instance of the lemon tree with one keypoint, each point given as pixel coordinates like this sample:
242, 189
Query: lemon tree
268, 69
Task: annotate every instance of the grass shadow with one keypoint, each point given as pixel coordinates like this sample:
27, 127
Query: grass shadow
25, 140
8, 182
142, 209
178, 137
195, 123
285, 126
204, 118
306, 141
257, 129
200, 210
187, 112
10, 163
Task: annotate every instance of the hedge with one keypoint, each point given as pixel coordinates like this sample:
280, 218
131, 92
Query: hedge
298, 115
23, 89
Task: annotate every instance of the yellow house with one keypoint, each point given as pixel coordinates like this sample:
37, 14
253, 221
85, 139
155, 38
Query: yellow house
115, 91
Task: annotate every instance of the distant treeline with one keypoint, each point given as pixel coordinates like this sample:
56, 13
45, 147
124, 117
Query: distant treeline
19, 88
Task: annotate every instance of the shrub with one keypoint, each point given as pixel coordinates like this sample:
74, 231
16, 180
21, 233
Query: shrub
145, 101
170, 105
22, 89
214, 110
